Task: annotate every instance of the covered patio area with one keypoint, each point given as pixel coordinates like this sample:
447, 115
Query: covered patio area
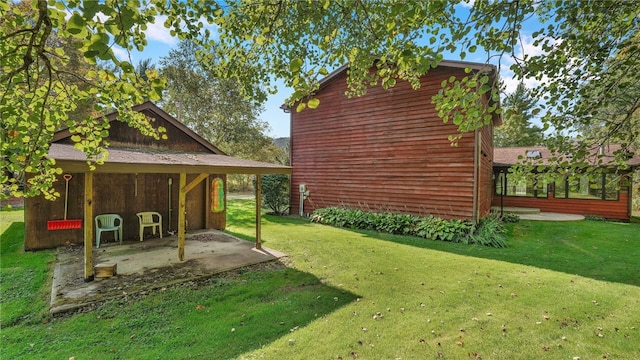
150, 265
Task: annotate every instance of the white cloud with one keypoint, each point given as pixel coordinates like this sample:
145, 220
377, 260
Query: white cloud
526, 47
467, 3
157, 32
120, 53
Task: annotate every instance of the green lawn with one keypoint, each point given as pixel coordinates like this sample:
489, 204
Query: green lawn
561, 290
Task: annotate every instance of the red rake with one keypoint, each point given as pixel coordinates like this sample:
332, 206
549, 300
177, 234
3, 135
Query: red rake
64, 224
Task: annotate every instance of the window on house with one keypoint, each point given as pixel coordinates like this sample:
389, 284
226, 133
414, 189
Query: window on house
594, 187
532, 185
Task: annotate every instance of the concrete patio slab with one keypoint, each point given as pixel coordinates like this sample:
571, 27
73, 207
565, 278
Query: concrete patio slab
550, 216
536, 214
148, 265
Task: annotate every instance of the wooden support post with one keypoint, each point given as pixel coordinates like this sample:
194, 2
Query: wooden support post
182, 208
88, 226
258, 211
207, 203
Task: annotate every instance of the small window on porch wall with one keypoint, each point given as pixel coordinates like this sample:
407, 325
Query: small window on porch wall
589, 187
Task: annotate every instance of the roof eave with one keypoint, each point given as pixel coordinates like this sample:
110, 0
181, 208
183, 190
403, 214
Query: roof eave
76, 166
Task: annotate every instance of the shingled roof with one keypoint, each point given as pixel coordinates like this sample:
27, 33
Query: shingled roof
154, 160
148, 161
508, 156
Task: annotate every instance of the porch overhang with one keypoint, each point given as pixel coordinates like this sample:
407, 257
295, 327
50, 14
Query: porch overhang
135, 161
131, 161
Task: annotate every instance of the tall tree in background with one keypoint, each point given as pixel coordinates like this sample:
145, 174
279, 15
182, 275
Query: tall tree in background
585, 58
516, 128
145, 66
214, 108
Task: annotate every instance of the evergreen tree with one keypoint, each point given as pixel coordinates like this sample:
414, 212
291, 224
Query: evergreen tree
516, 128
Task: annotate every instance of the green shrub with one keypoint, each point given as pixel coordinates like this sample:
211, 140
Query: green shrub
329, 216
275, 193
594, 218
435, 228
490, 231
510, 218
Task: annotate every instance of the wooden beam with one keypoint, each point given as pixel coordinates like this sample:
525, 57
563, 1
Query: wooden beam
182, 208
88, 226
194, 183
159, 168
258, 212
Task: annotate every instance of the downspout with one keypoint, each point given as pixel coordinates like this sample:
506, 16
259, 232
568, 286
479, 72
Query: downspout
476, 170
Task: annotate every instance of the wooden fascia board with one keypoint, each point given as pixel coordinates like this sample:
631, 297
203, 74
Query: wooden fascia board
120, 168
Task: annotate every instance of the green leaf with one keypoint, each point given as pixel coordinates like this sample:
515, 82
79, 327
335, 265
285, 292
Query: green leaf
295, 65
76, 24
313, 103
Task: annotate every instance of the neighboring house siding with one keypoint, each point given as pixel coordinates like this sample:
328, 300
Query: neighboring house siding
385, 151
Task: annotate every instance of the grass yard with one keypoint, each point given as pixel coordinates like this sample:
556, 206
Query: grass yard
560, 291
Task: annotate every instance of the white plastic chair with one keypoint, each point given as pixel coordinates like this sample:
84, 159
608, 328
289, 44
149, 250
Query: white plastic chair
108, 222
150, 219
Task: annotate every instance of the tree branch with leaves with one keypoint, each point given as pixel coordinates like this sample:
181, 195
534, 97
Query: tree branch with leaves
586, 61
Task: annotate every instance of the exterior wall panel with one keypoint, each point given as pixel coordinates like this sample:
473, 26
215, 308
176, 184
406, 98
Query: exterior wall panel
385, 151
123, 194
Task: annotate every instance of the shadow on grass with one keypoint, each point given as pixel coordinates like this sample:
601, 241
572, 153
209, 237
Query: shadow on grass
12, 239
219, 318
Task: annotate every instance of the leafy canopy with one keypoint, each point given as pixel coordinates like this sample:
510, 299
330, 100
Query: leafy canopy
587, 59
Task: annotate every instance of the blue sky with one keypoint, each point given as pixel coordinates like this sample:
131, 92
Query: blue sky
161, 42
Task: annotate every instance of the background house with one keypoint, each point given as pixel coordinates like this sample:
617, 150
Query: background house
141, 174
389, 151
607, 195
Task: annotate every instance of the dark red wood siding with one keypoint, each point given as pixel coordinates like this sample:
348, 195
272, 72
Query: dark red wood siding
610, 209
121, 135
385, 151
123, 194
485, 186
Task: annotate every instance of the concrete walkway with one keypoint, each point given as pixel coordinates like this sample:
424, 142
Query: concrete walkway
550, 216
536, 214
148, 265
